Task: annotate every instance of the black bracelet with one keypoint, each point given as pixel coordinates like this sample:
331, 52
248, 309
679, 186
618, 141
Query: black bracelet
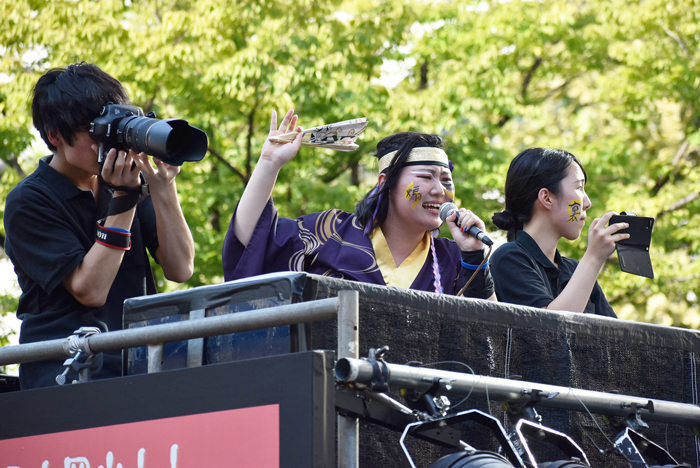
115, 238
473, 256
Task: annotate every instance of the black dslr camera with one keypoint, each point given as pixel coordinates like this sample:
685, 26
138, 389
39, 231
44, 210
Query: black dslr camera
173, 141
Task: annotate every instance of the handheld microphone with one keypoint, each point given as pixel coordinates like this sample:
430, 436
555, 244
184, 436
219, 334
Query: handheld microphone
446, 210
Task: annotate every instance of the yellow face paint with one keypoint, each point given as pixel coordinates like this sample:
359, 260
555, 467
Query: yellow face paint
413, 194
444, 179
574, 210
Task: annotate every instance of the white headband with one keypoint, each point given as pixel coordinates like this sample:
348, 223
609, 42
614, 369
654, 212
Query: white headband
421, 155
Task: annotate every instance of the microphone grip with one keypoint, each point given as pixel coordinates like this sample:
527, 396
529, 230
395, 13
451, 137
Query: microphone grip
475, 232
478, 234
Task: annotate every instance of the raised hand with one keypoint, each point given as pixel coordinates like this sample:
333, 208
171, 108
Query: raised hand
280, 154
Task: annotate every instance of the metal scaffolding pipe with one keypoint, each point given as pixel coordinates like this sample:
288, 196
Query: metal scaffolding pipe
348, 346
189, 329
419, 378
30, 352
156, 354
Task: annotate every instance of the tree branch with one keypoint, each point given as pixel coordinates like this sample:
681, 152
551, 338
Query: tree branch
156, 11
663, 180
423, 76
334, 175
215, 215
679, 204
14, 164
503, 120
676, 38
530, 74
350, 164
148, 105
526, 82
249, 142
227, 164
551, 92
179, 38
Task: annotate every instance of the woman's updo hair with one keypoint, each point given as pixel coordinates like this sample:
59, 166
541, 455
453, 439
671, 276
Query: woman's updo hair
531, 171
373, 209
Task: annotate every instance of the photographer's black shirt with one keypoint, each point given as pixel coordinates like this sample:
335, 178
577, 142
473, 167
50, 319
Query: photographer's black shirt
524, 275
50, 226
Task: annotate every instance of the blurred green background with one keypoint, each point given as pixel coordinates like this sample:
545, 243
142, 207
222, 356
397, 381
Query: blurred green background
617, 83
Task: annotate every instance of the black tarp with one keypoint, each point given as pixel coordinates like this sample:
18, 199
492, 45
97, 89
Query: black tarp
499, 340
502, 340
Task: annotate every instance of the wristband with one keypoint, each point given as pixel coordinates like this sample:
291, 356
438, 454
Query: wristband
473, 256
115, 238
469, 266
123, 231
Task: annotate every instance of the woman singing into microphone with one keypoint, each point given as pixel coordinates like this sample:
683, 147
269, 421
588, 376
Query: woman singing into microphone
389, 240
545, 201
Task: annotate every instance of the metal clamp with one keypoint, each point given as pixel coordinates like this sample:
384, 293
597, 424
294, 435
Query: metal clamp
78, 341
380, 374
78, 345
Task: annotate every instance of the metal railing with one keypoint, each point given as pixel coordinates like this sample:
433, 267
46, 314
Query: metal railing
349, 368
156, 335
516, 391
345, 307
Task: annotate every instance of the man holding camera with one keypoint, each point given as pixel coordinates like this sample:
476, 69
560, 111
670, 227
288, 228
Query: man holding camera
77, 233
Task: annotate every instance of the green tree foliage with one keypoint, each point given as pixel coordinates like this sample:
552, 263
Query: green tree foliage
616, 83
613, 82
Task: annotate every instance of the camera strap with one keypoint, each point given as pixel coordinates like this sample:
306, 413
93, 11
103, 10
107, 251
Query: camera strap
143, 189
118, 205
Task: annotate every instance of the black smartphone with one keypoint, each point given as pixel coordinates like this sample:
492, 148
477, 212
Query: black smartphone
633, 253
640, 229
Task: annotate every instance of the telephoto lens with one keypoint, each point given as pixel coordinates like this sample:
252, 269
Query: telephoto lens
171, 140
123, 127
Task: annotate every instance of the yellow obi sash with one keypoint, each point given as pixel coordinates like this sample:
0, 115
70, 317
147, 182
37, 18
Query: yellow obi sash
404, 275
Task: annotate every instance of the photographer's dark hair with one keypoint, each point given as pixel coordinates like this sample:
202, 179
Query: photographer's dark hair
372, 210
67, 99
531, 171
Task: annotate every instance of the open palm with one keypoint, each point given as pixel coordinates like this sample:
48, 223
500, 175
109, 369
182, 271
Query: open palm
282, 153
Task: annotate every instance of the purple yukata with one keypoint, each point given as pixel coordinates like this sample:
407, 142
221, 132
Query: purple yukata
332, 243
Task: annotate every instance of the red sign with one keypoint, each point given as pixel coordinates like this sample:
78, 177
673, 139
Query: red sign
241, 438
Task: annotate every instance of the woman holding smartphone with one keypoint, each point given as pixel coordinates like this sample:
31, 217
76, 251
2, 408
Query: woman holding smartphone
545, 201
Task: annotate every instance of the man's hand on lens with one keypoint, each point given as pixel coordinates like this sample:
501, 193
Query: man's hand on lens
160, 177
